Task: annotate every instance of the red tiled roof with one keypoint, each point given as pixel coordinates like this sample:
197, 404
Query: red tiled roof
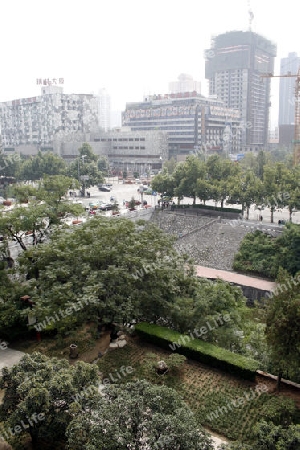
232, 277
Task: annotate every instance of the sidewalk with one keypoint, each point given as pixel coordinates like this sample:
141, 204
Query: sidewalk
9, 357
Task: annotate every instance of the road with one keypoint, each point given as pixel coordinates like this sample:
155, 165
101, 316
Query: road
126, 191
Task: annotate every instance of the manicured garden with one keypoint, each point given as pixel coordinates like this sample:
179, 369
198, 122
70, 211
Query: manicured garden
205, 390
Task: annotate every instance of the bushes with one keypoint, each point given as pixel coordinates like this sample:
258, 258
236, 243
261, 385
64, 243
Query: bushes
257, 254
262, 254
213, 208
198, 350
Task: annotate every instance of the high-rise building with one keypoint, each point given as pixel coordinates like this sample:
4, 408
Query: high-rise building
234, 67
104, 110
289, 65
185, 83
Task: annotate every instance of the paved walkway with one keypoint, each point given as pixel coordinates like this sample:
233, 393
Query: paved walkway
9, 357
217, 442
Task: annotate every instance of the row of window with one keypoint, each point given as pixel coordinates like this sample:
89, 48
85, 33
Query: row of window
120, 147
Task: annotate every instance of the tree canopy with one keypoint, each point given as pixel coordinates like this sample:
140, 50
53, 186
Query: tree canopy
283, 324
85, 168
44, 163
139, 415
58, 402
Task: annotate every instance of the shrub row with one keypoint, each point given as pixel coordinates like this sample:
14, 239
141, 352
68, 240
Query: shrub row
214, 208
198, 350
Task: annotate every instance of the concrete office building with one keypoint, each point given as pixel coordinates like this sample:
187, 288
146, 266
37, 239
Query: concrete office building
33, 122
139, 151
234, 67
194, 124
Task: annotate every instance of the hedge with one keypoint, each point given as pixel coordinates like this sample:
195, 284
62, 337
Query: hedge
214, 208
198, 350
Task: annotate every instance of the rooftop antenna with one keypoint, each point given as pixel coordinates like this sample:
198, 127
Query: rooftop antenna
251, 15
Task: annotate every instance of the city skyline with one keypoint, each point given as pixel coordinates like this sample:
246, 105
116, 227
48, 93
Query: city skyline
131, 49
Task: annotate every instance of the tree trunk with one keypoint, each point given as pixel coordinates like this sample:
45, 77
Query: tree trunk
34, 440
247, 214
278, 380
272, 215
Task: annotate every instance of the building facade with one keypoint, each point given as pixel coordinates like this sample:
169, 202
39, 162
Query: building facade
194, 124
234, 67
134, 151
35, 121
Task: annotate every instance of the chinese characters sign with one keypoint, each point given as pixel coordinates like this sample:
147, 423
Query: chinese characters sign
49, 81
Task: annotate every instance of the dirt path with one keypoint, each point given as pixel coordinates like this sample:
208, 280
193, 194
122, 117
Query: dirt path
101, 346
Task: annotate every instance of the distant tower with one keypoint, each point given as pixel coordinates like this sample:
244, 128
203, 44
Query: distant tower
234, 66
185, 83
291, 65
104, 109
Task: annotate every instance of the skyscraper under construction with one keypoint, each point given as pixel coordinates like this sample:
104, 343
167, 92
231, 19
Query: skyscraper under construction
234, 65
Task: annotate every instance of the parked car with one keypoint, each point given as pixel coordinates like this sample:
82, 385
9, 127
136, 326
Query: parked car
104, 188
106, 207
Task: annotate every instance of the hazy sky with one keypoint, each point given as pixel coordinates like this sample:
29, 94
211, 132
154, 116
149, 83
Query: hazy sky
130, 47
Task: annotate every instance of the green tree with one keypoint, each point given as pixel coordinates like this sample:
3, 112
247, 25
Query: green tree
258, 254
9, 164
163, 183
85, 168
11, 289
270, 436
205, 305
273, 190
291, 189
46, 163
108, 266
103, 165
222, 175
283, 325
245, 189
288, 256
134, 416
46, 208
187, 175
170, 165
39, 392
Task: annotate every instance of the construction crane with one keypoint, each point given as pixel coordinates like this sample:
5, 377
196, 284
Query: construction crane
296, 140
